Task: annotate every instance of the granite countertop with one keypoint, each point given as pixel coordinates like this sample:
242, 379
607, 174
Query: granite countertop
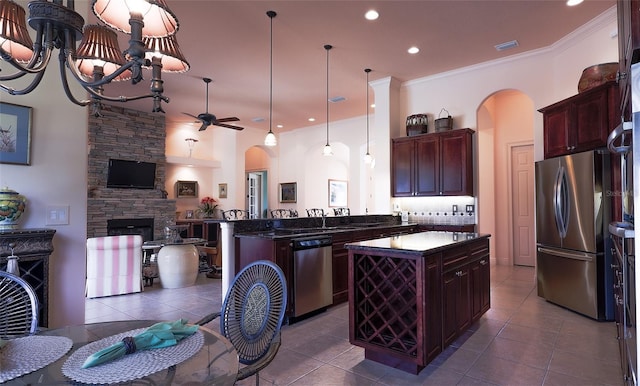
287, 233
418, 242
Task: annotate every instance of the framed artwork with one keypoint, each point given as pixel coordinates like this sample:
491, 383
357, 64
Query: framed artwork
15, 134
288, 192
337, 193
188, 214
186, 189
222, 190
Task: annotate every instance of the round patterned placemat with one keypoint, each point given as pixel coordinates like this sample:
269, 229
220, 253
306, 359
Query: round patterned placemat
21, 356
132, 366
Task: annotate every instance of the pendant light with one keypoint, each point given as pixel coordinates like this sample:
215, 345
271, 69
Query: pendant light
327, 148
367, 157
270, 139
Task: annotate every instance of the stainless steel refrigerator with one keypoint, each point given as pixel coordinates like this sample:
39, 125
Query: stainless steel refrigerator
572, 219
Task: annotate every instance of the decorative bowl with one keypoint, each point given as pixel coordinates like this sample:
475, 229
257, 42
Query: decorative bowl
596, 75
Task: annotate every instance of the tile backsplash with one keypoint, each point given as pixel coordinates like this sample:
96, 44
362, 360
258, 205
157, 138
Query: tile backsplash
453, 210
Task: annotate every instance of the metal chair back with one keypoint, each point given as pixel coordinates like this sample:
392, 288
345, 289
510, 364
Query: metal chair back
235, 214
315, 212
341, 212
281, 213
18, 307
252, 315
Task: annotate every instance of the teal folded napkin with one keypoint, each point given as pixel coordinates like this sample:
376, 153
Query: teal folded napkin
3, 342
160, 335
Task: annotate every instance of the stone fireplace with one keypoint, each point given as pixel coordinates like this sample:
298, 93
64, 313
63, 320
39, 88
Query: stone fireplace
129, 135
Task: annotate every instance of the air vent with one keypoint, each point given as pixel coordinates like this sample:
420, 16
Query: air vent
506, 45
337, 99
260, 119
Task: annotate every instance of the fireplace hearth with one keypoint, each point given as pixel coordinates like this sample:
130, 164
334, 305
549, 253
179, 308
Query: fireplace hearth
131, 226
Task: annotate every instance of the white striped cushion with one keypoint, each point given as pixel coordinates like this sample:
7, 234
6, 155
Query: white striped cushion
114, 265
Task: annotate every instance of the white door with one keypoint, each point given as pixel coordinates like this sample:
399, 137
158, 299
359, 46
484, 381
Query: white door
523, 206
253, 194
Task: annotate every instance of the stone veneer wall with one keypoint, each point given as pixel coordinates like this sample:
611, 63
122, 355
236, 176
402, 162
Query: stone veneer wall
130, 135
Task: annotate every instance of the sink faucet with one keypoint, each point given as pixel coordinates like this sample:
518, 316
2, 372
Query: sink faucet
324, 216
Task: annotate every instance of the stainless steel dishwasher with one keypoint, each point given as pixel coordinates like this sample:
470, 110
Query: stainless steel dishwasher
312, 274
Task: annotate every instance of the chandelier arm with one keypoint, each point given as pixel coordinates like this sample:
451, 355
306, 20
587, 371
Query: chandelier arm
26, 90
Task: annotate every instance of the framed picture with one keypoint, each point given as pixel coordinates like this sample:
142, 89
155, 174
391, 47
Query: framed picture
188, 214
337, 193
15, 134
186, 189
288, 192
222, 190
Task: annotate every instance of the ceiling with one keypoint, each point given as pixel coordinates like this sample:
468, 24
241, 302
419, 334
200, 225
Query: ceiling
228, 41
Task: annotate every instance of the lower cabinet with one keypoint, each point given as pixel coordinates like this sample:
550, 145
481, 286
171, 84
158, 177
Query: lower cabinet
407, 307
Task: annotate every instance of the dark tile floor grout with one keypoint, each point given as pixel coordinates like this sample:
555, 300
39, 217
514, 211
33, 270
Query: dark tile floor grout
521, 340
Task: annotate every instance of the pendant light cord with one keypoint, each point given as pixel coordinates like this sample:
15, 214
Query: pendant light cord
328, 47
367, 70
271, 15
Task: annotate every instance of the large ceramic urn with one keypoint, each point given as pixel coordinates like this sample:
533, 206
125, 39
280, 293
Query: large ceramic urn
12, 206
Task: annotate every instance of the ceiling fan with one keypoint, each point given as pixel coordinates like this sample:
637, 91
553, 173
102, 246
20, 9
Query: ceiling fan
210, 119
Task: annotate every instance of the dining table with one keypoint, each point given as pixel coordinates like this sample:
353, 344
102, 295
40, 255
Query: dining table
55, 357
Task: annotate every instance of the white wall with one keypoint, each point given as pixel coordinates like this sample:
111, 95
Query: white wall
57, 176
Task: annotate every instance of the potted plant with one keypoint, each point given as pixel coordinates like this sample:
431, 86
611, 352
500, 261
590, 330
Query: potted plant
207, 207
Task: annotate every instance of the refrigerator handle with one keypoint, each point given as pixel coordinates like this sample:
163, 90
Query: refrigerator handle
566, 254
560, 202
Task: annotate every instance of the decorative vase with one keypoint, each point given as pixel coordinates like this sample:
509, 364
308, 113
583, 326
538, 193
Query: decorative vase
12, 206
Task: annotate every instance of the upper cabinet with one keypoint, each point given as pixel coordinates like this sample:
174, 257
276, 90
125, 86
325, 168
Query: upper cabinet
436, 164
581, 122
628, 50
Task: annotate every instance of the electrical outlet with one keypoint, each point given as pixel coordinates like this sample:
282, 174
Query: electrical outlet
469, 208
57, 215
454, 208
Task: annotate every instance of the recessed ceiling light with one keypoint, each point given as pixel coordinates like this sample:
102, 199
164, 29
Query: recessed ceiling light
571, 3
373, 105
371, 15
413, 50
279, 126
312, 119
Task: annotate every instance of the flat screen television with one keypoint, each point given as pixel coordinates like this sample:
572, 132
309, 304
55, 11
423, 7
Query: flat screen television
131, 174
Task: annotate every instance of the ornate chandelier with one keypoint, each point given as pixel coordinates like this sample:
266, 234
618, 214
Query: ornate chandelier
98, 60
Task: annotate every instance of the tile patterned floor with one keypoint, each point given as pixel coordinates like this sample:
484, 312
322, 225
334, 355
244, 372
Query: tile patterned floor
521, 340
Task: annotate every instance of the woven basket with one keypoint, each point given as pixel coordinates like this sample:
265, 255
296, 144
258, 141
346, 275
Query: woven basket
442, 124
417, 124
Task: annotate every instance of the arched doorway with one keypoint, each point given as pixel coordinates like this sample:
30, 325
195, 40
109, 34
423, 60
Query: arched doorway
505, 146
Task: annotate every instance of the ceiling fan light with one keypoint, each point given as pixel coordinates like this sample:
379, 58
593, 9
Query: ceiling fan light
159, 20
270, 139
167, 47
99, 47
14, 36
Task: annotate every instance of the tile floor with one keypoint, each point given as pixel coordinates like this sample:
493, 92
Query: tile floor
521, 340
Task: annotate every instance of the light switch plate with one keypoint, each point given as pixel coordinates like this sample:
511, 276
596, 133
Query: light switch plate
57, 215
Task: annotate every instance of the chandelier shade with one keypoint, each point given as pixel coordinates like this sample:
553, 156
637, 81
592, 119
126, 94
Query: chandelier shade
14, 35
99, 47
159, 20
167, 48
98, 60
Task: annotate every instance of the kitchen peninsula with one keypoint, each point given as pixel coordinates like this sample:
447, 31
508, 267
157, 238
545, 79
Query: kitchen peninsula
411, 296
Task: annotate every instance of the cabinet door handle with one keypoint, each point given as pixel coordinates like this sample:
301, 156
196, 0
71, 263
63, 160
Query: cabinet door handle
483, 262
620, 76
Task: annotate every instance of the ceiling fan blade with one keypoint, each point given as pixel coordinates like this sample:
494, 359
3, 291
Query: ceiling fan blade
191, 115
204, 126
227, 126
230, 119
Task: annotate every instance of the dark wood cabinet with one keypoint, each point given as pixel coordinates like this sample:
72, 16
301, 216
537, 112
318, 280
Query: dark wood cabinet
582, 122
407, 306
437, 164
628, 50
33, 247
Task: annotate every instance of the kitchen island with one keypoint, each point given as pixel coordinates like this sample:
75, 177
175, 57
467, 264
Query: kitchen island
411, 296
